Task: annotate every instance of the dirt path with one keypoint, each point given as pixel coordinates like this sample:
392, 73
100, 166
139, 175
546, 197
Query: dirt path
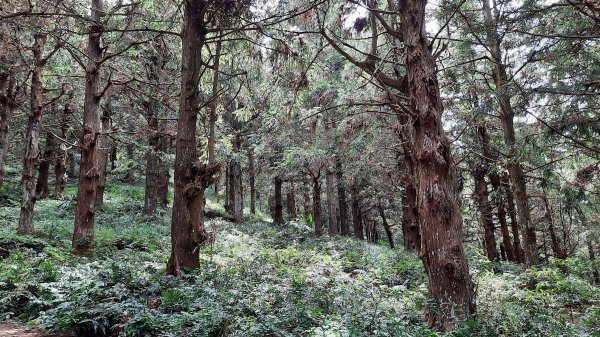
19, 330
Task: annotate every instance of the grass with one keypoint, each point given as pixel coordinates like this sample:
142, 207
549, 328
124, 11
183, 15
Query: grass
257, 279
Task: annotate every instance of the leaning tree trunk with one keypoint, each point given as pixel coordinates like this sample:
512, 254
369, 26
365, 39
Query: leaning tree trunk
191, 178
83, 232
42, 189
103, 151
7, 107
485, 211
451, 290
386, 225
515, 169
342, 204
31, 159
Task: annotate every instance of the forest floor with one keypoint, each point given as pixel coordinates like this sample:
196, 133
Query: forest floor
257, 279
19, 330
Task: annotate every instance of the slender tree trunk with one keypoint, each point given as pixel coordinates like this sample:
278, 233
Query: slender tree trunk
356, 216
592, 253
450, 287
31, 159
213, 105
515, 169
251, 181
291, 201
410, 221
557, 250
7, 107
277, 212
306, 196
331, 203
485, 211
317, 204
342, 203
42, 189
62, 149
113, 157
83, 232
191, 177
152, 161
238, 194
386, 226
512, 212
103, 151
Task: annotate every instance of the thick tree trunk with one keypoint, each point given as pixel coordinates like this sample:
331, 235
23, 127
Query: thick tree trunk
277, 209
485, 211
191, 178
386, 225
331, 203
103, 151
290, 201
317, 218
342, 203
356, 216
83, 232
7, 107
42, 189
31, 158
515, 169
450, 287
251, 181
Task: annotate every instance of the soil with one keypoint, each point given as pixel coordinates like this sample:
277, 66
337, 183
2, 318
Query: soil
19, 330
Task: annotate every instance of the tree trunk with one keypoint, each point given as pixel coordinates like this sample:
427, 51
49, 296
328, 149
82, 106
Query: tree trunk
213, 105
485, 211
83, 232
592, 253
317, 204
386, 226
356, 216
191, 178
410, 221
306, 196
291, 201
7, 107
42, 189
515, 169
31, 158
251, 181
277, 212
442, 252
342, 203
331, 203
512, 212
62, 149
152, 161
557, 250
103, 151
238, 194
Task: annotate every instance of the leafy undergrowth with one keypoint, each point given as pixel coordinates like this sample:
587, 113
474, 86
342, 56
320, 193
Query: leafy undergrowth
259, 279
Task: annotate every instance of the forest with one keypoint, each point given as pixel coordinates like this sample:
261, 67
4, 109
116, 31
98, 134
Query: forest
328, 168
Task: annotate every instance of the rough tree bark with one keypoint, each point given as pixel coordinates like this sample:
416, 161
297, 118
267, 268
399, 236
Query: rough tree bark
515, 169
31, 158
451, 290
191, 177
83, 232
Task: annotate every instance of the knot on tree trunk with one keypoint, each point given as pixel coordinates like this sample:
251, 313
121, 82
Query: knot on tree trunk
202, 176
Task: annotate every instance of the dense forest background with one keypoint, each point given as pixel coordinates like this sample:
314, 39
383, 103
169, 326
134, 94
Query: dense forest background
300, 167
